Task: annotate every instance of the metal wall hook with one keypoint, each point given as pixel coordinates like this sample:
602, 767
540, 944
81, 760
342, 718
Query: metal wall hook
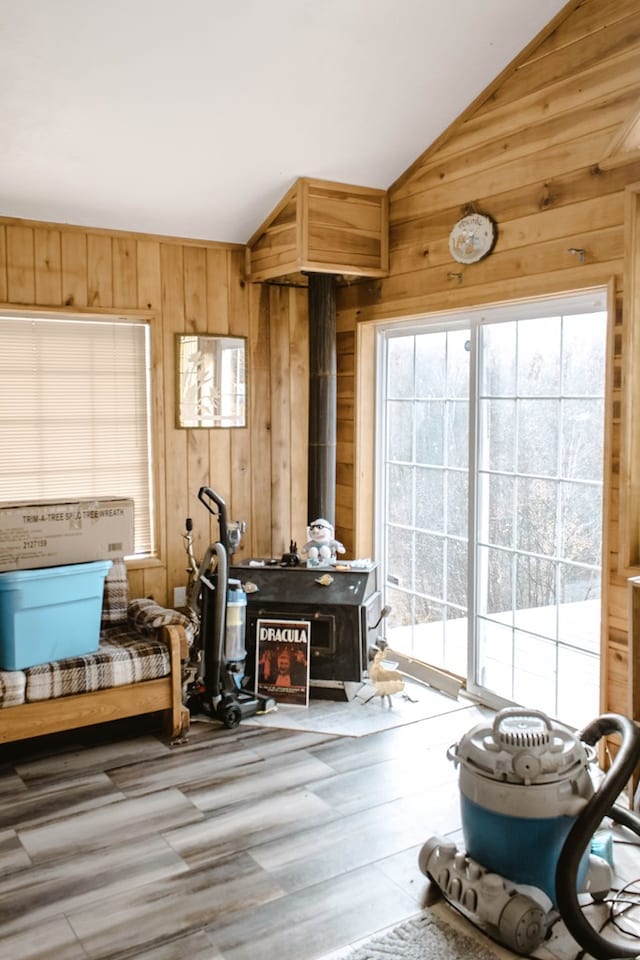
579, 252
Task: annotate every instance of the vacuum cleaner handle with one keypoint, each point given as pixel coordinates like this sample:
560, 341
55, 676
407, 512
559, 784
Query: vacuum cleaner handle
205, 496
601, 804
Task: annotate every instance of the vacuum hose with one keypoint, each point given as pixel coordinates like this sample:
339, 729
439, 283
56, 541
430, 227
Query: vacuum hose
601, 804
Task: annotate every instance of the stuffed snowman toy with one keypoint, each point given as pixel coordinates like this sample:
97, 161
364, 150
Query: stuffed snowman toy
321, 546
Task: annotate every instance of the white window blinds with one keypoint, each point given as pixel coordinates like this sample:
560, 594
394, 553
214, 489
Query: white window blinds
75, 412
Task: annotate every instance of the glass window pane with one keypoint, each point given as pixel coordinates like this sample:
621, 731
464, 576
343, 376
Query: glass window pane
581, 434
431, 360
399, 560
458, 364
400, 367
400, 494
536, 515
455, 641
494, 664
457, 502
539, 356
498, 351
534, 672
429, 432
458, 433
583, 347
430, 499
429, 565
495, 580
497, 438
400, 430
579, 606
538, 429
496, 495
457, 572
578, 686
429, 635
581, 522
536, 595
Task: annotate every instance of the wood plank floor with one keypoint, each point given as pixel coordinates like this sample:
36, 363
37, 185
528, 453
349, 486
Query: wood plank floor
286, 844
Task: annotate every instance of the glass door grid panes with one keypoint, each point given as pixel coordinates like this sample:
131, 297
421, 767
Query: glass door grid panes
523, 391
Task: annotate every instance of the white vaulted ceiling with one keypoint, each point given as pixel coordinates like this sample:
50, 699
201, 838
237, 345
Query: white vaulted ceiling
192, 118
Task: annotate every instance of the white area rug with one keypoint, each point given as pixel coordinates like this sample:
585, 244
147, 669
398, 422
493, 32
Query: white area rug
425, 937
364, 714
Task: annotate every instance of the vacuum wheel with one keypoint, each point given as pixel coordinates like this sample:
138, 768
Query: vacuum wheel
229, 712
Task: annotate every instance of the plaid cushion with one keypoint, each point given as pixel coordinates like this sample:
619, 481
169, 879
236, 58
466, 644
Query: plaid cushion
147, 616
123, 657
12, 687
116, 595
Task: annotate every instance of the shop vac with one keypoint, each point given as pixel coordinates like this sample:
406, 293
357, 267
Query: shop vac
536, 829
220, 686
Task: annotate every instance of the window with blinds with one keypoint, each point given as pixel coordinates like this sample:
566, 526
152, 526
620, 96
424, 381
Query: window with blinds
75, 412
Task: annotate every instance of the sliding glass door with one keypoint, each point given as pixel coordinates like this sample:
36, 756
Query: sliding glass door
490, 498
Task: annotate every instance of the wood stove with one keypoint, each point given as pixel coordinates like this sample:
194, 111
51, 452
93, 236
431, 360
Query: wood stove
340, 615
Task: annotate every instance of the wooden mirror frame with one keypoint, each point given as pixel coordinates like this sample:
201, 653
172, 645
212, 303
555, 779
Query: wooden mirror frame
211, 381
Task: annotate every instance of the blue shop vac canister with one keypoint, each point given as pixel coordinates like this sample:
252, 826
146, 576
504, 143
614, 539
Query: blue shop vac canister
523, 781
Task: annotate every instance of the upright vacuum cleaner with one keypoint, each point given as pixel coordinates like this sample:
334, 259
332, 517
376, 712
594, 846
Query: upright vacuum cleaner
220, 688
531, 821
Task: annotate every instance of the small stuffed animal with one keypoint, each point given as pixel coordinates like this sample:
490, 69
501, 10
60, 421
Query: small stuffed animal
321, 547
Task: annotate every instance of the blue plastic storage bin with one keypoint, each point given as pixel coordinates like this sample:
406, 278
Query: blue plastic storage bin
50, 613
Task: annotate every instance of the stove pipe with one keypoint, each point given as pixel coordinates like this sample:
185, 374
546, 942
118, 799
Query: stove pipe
321, 491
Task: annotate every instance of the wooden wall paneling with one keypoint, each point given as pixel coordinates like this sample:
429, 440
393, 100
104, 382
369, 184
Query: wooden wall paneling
559, 222
594, 15
298, 308
259, 540
240, 438
281, 520
48, 267
273, 249
548, 115
4, 294
419, 243
21, 287
345, 453
443, 284
176, 474
218, 280
198, 457
218, 474
99, 270
546, 194
125, 271
73, 258
543, 163
149, 274
580, 50
606, 591
364, 437
149, 297
630, 441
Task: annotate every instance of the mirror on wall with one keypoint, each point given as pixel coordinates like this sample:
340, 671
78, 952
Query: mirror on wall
211, 382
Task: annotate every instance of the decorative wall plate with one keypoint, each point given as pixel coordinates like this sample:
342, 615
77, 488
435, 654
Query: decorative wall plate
472, 238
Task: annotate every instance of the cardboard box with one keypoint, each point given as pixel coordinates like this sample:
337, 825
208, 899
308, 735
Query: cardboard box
50, 614
51, 533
